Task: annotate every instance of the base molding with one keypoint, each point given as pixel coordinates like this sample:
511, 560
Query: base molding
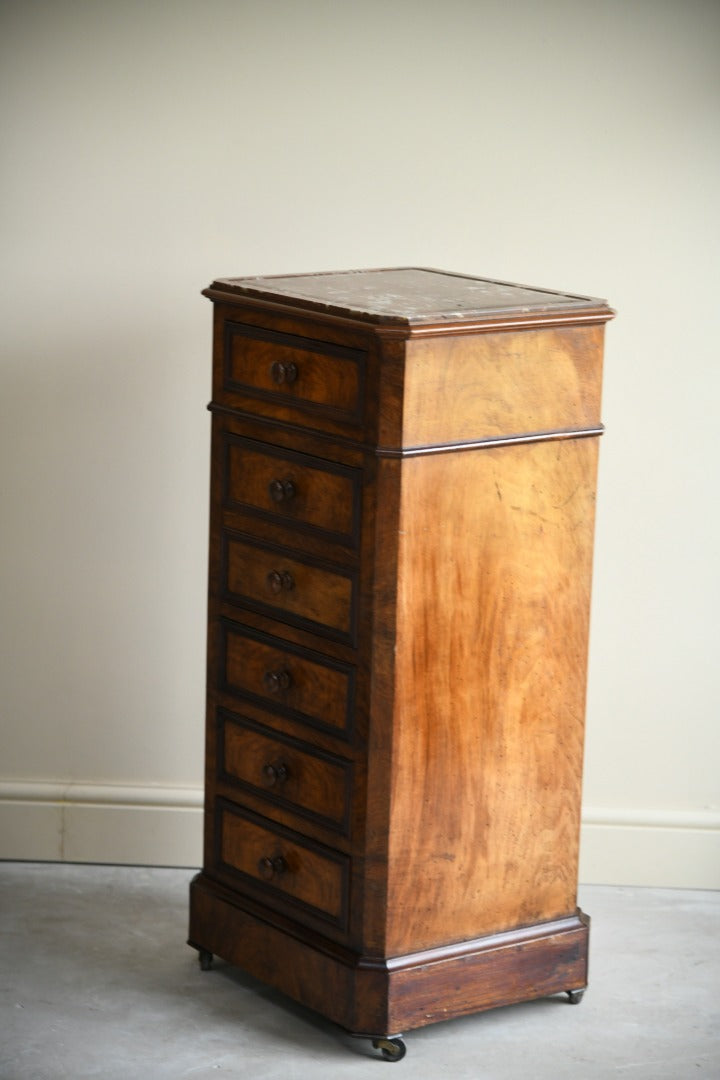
46, 821
397, 994
662, 849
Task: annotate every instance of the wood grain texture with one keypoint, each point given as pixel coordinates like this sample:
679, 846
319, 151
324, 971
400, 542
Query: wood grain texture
286, 678
480, 386
284, 770
315, 876
292, 487
289, 585
382, 998
547, 959
314, 375
380, 759
493, 599
313, 976
325, 397
397, 641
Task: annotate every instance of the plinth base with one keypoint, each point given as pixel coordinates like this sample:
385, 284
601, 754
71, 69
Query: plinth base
381, 998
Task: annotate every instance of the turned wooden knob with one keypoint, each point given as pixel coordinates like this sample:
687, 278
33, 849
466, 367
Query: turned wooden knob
271, 866
280, 581
275, 681
275, 772
281, 490
284, 373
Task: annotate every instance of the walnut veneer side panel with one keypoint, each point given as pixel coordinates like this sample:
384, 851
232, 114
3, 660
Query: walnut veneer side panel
494, 570
384, 559
492, 385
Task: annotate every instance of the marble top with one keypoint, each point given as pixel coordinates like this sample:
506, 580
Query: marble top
410, 295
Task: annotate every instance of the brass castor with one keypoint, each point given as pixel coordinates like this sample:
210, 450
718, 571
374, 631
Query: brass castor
391, 1049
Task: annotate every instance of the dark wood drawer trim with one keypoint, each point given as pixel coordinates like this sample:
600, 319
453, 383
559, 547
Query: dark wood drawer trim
282, 706
340, 824
277, 610
292, 395
309, 467
288, 845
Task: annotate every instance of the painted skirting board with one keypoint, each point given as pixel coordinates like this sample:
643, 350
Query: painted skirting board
103, 823
677, 849
162, 826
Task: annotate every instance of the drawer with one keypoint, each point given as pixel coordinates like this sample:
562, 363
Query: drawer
285, 771
287, 867
284, 584
287, 487
287, 679
319, 378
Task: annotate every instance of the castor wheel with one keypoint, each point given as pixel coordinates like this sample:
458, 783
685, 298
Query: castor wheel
574, 996
391, 1049
205, 958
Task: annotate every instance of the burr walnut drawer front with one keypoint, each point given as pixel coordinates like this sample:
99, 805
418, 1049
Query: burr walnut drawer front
295, 682
319, 378
287, 867
296, 588
285, 771
286, 487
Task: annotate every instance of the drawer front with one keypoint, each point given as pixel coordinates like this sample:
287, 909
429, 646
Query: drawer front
287, 679
289, 868
292, 488
285, 771
281, 583
315, 377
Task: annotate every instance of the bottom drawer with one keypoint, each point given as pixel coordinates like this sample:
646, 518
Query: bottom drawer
289, 868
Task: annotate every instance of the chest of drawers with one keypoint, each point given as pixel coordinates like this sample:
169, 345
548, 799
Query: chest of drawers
402, 493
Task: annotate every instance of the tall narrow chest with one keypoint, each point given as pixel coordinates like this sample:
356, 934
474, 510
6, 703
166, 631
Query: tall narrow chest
402, 497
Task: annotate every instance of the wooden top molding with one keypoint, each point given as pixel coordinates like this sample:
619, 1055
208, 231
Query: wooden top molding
416, 300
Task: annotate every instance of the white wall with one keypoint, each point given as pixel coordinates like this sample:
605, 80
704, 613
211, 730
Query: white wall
151, 146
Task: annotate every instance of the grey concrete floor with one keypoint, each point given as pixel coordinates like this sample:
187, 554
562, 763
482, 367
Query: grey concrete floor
96, 981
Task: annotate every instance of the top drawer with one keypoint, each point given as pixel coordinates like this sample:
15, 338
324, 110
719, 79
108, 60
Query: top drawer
320, 379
